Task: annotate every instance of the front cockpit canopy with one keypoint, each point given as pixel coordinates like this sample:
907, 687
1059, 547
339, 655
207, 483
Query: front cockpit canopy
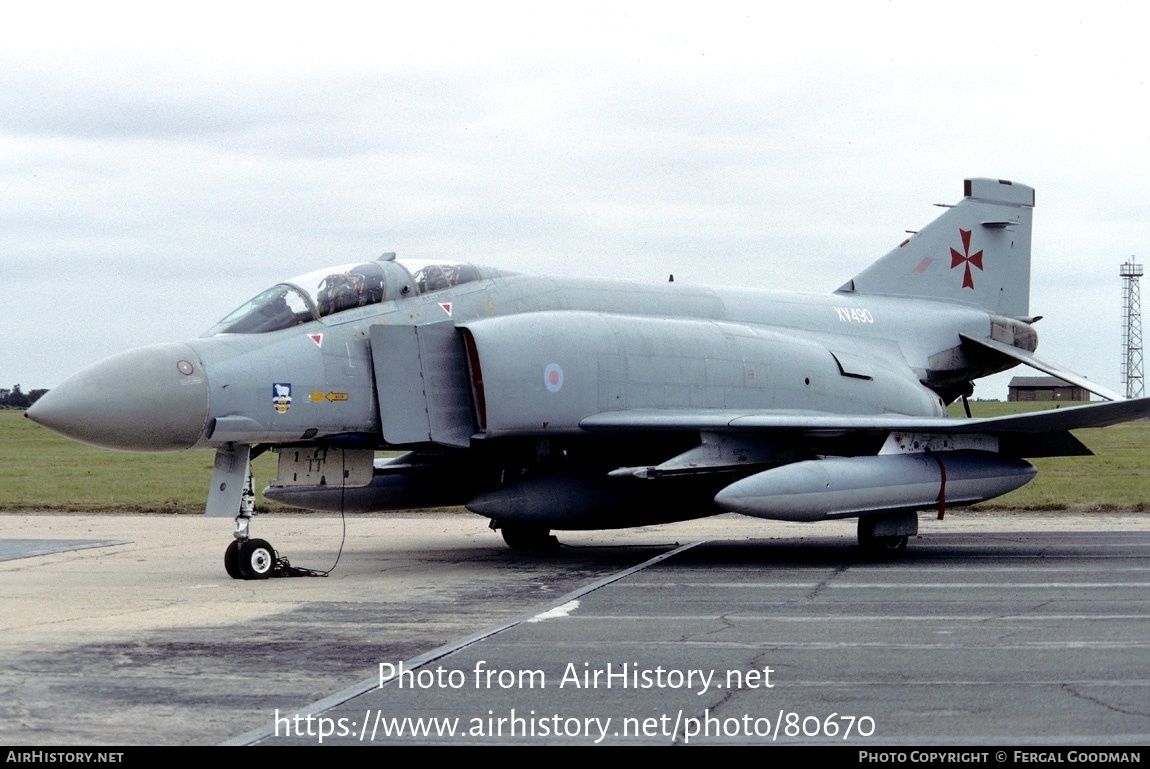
281, 306
335, 289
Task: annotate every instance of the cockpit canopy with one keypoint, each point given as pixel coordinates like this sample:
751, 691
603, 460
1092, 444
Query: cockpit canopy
335, 289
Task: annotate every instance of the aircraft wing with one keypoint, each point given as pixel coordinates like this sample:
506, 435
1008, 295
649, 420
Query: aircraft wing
1038, 433
792, 421
1051, 420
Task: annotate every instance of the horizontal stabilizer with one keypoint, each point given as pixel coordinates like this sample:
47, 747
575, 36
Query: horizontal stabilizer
1023, 356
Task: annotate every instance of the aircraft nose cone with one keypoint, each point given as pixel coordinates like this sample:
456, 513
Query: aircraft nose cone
151, 399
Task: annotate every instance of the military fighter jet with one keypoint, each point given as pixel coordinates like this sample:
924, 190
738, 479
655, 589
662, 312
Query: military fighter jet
546, 403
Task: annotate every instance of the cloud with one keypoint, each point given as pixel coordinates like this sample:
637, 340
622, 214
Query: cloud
166, 164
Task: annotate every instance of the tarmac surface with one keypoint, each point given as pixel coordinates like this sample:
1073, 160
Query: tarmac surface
992, 629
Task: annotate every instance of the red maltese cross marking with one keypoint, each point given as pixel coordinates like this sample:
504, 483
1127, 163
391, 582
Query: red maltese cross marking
966, 258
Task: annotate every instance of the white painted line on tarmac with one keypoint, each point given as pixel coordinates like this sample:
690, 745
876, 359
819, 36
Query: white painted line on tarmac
327, 703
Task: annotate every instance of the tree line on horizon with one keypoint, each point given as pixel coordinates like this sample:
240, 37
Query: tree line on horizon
15, 398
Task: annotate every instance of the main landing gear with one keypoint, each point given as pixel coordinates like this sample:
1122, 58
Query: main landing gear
886, 535
525, 538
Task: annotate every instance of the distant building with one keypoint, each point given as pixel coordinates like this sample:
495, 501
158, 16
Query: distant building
1044, 388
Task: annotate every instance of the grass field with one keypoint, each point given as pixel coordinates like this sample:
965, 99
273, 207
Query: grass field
1116, 478
39, 470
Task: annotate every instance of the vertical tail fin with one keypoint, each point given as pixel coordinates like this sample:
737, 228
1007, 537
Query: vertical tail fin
978, 252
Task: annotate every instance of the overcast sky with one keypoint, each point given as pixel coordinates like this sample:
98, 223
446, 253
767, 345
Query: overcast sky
162, 163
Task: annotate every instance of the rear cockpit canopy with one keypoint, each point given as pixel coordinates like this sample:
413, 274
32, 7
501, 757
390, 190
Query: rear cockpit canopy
436, 277
335, 289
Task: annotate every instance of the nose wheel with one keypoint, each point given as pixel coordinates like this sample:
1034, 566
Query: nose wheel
257, 559
232, 560
250, 559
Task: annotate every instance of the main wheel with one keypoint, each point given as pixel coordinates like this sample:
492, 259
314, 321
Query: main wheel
886, 545
879, 546
257, 559
528, 539
232, 560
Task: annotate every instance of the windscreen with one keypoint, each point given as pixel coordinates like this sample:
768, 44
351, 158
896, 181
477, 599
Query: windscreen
281, 306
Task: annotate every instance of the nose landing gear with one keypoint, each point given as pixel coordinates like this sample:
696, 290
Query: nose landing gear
247, 558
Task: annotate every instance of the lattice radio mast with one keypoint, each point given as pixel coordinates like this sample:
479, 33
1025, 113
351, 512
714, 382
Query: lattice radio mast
1131, 329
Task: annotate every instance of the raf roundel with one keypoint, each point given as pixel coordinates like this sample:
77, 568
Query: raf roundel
553, 377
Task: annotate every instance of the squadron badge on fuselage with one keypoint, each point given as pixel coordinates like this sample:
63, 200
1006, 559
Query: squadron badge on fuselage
281, 396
